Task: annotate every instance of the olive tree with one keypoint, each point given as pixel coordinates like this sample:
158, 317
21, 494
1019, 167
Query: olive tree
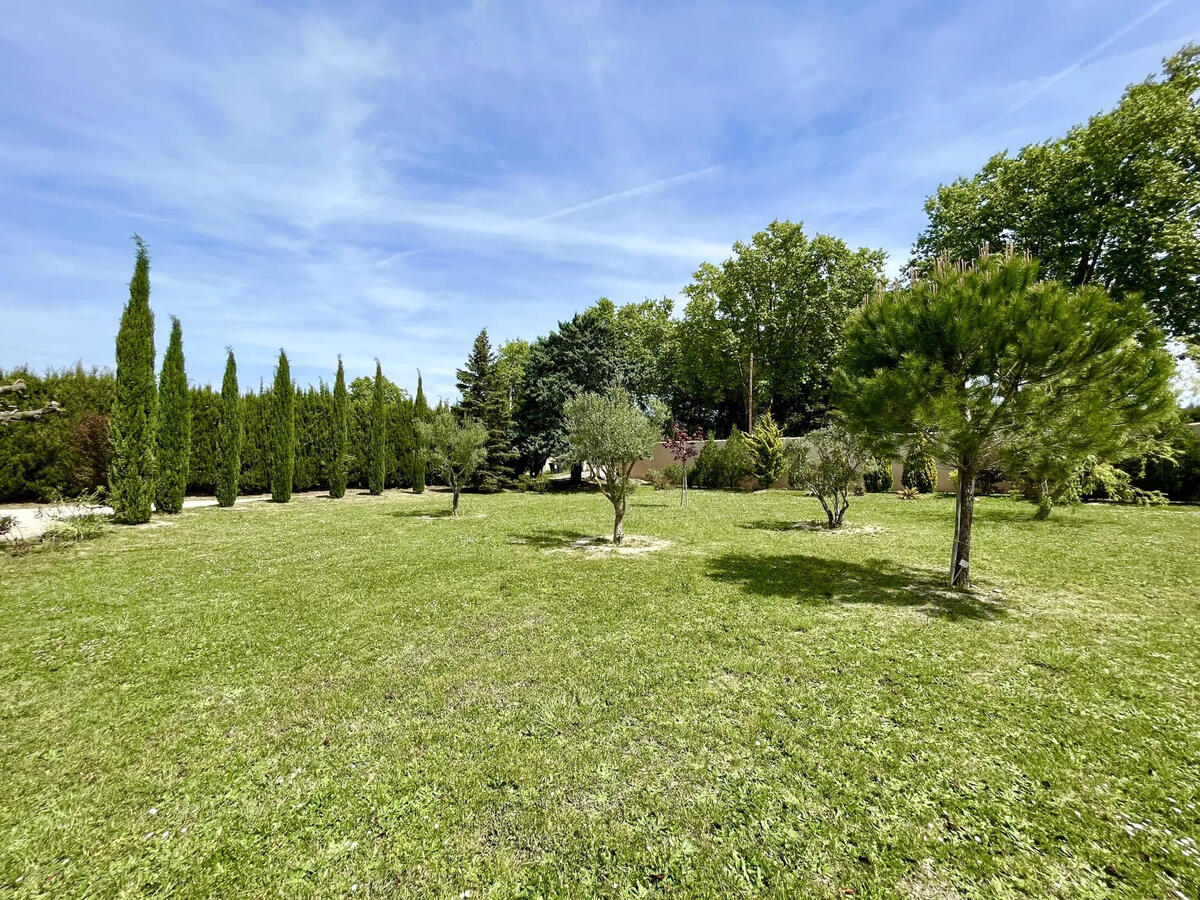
980, 360
824, 463
454, 450
609, 433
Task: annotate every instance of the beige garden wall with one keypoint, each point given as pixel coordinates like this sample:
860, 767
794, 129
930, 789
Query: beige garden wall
662, 458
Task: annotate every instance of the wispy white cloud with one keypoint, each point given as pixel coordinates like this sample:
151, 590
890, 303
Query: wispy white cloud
383, 182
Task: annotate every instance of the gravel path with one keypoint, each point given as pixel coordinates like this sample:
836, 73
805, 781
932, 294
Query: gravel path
31, 526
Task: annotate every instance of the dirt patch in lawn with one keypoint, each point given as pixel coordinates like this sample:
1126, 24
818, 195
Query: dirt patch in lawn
631, 545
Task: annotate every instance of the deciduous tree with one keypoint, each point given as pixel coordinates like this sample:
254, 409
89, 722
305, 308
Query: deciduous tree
455, 450
609, 433
1114, 203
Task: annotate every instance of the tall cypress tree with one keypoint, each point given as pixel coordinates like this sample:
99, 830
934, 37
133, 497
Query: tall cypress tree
283, 432
420, 461
131, 425
229, 436
338, 463
174, 432
377, 470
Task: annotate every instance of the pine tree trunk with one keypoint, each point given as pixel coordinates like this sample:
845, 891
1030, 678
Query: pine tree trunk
964, 516
618, 523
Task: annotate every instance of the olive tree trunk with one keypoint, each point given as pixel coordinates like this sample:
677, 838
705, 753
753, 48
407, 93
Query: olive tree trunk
964, 516
618, 522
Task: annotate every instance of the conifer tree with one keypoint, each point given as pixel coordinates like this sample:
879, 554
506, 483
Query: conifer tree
229, 436
920, 470
766, 447
420, 457
174, 431
283, 432
131, 426
485, 400
339, 464
377, 470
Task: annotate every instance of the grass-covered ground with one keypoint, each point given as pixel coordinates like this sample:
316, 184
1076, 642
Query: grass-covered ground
355, 697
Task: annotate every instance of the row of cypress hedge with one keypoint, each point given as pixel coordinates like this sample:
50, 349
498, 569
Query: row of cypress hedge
71, 452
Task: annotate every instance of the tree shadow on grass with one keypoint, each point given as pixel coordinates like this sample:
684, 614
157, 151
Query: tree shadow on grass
813, 579
420, 513
550, 538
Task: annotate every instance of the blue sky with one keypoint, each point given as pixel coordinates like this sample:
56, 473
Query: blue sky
385, 179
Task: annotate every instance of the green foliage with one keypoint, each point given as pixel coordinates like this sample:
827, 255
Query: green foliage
784, 298
657, 479
538, 484
609, 433
282, 438
824, 463
1116, 202
985, 362
486, 399
877, 477
511, 359
69, 452
417, 460
229, 436
646, 339
455, 450
580, 356
174, 432
377, 458
338, 462
134, 411
766, 451
73, 519
1176, 472
920, 469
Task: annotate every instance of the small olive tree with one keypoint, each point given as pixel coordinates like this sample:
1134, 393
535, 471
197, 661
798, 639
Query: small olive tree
610, 433
824, 463
453, 450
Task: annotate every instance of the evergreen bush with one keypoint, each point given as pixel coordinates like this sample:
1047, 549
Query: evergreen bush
174, 432
229, 436
282, 432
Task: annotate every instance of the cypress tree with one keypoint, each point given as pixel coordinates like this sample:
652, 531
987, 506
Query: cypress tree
420, 461
338, 463
131, 426
229, 436
174, 432
377, 471
283, 432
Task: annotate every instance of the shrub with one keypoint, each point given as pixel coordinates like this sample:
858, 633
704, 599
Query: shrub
877, 476
73, 519
657, 478
908, 493
708, 472
539, 483
738, 461
766, 452
920, 470
1177, 478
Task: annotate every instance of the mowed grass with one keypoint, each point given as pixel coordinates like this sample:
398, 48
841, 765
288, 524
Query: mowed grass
367, 698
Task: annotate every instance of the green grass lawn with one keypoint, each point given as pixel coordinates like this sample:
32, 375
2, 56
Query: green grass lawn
359, 697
